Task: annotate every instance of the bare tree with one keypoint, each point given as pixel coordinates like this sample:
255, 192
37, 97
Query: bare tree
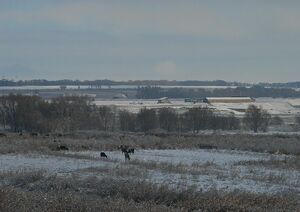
146, 119
199, 118
107, 117
127, 121
167, 119
257, 118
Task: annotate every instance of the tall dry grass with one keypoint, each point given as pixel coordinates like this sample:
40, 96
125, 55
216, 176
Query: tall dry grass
53, 193
285, 144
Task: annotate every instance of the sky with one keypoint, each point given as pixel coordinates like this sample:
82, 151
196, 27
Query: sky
232, 40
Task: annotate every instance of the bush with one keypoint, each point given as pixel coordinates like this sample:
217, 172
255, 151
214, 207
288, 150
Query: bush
256, 118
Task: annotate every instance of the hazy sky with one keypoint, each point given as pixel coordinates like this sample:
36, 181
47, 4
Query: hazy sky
240, 40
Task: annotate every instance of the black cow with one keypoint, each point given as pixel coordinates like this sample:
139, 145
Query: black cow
127, 157
2, 135
34, 134
103, 155
62, 147
123, 148
130, 150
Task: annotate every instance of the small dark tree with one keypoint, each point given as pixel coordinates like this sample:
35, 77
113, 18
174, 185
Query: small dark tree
146, 119
167, 119
256, 118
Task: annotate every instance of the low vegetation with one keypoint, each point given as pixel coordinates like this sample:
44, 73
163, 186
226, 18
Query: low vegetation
69, 114
53, 193
280, 144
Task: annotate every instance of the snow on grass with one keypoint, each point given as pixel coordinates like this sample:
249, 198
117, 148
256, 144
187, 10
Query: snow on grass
188, 157
201, 169
52, 164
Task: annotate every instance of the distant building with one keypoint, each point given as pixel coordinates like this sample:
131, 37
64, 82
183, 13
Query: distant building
295, 103
193, 100
163, 100
211, 100
120, 96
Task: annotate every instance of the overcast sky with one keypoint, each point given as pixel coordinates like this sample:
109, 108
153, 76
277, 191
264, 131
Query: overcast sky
240, 40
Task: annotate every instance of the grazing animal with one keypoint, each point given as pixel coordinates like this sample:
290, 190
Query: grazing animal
62, 147
59, 134
127, 157
34, 134
130, 150
103, 155
2, 135
123, 148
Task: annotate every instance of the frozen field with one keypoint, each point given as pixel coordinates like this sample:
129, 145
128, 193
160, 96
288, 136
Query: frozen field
275, 106
202, 169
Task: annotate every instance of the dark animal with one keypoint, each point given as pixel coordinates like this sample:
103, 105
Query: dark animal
59, 135
34, 134
123, 148
130, 150
127, 157
62, 147
103, 155
2, 135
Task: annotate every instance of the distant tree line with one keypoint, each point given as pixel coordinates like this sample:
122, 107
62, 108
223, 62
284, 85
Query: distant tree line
152, 92
32, 114
66, 114
43, 82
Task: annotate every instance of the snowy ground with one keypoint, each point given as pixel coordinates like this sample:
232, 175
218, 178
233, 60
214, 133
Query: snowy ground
276, 106
201, 169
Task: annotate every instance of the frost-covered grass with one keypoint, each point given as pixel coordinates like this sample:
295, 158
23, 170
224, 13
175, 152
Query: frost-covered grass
157, 180
222, 170
239, 172
57, 193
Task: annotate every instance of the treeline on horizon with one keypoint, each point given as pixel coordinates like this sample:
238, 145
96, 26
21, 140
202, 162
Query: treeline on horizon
43, 82
152, 92
67, 114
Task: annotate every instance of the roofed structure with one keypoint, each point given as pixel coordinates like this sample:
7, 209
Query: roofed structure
228, 100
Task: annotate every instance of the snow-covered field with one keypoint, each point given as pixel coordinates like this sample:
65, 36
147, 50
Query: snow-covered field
277, 106
202, 169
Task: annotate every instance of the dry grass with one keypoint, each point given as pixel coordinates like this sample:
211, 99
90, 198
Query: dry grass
194, 169
285, 144
288, 163
52, 193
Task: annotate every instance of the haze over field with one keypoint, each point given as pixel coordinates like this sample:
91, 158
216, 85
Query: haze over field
249, 41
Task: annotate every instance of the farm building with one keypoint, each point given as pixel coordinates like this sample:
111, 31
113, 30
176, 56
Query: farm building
295, 103
163, 100
211, 100
120, 96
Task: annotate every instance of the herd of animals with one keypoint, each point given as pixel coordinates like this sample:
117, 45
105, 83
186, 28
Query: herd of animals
125, 149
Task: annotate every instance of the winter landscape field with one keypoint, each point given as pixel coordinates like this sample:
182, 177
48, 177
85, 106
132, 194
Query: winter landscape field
206, 172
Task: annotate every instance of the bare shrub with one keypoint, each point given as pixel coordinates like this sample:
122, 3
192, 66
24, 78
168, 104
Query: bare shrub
52, 193
256, 118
